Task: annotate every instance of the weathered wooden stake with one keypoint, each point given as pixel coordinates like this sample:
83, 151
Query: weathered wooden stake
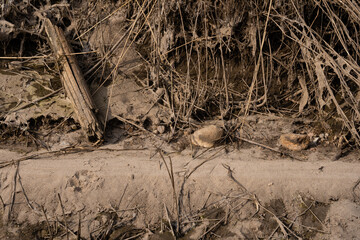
74, 82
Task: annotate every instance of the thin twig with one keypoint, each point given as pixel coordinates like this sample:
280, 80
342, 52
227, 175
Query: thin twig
205, 161
308, 227
135, 236
63, 212
205, 203
272, 233
19, 58
67, 150
212, 227
314, 215
172, 179
108, 229
79, 227
301, 214
14, 191
2, 203
69, 230
130, 201
269, 148
35, 101
356, 197
47, 222
169, 221
122, 196
138, 126
25, 195
230, 175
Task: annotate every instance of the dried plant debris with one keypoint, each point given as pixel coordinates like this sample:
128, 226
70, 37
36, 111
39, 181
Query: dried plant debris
295, 142
164, 67
229, 58
29, 95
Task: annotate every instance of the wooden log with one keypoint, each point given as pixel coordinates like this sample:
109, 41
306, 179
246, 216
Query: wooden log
74, 83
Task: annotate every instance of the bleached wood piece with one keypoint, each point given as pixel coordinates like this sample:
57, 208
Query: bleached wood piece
74, 82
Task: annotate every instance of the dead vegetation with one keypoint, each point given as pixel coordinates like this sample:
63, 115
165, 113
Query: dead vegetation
203, 59
212, 59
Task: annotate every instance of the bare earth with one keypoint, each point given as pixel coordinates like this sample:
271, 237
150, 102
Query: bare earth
136, 185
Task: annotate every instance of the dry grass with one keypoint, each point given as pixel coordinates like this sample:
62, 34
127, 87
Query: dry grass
229, 58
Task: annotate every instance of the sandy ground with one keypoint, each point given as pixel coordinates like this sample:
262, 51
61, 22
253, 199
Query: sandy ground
93, 182
123, 189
